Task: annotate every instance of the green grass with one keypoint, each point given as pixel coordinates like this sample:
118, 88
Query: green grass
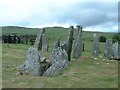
84, 72
0, 65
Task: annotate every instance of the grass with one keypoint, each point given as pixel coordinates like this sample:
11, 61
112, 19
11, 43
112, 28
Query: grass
0, 65
84, 72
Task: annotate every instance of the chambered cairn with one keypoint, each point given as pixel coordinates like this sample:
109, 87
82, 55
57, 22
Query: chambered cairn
37, 65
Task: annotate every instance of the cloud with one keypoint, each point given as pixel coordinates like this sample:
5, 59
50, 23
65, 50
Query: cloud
39, 13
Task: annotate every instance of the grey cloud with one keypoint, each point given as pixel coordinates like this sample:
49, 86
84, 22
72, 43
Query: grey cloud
84, 13
89, 14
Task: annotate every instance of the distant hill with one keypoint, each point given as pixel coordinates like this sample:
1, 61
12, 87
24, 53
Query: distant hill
18, 30
52, 32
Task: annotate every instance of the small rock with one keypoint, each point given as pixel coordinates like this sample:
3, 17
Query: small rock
18, 73
108, 63
75, 72
65, 75
101, 56
95, 58
97, 63
103, 59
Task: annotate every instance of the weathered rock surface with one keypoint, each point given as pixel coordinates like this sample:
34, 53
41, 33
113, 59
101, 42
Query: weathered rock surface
70, 42
108, 49
44, 42
96, 45
57, 44
116, 50
32, 64
38, 41
78, 43
59, 61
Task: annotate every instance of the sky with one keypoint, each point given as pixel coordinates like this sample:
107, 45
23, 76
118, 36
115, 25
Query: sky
92, 15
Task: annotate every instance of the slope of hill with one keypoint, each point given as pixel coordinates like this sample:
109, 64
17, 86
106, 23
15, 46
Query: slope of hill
54, 31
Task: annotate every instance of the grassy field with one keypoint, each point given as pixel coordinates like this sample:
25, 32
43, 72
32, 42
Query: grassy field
84, 72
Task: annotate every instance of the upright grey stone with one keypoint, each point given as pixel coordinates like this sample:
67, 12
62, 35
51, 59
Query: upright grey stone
32, 65
70, 42
38, 41
96, 45
108, 49
78, 28
57, 44
44, 42
64, 46
59, 62
78, 44
116, 50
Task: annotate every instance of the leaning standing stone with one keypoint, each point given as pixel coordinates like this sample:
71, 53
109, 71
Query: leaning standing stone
78, 44
44, 42
59, 62
70, 42
96, 46
38, 41
32, 65
57, 44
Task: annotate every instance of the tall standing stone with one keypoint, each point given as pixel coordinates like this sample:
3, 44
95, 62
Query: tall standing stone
78, 44
59, 62
77, 32
108, 49
57, 44
70, 42
44, 42
38, 41
96, 45
116, 50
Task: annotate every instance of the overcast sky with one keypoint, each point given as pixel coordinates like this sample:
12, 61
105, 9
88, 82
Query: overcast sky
92, 15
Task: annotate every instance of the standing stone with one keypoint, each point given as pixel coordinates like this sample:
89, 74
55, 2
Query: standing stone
83, 47
57, 44
78, 44
38, 41
27, 38
108, 49
96, 46
32, 65
116, 50
59, 61
64, 46
44, 42
77, 32
70, 42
